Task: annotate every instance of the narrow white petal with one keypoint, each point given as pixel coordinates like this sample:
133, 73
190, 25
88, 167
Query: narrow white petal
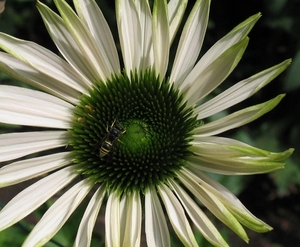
12, 112
31, 76
85, 230
12, 92
198, 187
66, 44
112, 221
237, 118
131, 219
190, 42
130, 34
234, 36
240, 91
160, 35
220, 167
238, 147
35, 195
156, 227
200, 83
234, 157
16, 145
23, 170
176, 10
233, 166
145, 18
233, 203
34, 108
199, 218
90, 13
218, 140
41, 60
57, 214
177, 217
207, 148
84, 40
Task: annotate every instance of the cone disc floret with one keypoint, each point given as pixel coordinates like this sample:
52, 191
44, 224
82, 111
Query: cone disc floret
132, 132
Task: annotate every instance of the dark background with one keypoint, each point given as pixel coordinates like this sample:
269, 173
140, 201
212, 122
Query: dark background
272, 197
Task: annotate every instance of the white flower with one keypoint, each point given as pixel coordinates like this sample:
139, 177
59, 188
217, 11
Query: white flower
150, 125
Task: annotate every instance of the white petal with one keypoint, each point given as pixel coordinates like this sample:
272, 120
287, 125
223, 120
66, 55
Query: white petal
131, 219
145, 18
57, 214
190, 42
160, 35
220, 167
16, 145
233, 203
234, 157
35, 195
66, 44
23, 170
19, 113
200, 83
200, 220
156, 227
90, 13
85, 230
237, 118
240, 91
176, 10
177, 216
33, 108
198, 187
42, 60
84, 40
233, 166
240, 148
234, 36
112, 221
130, 34
27, 94
206, 148
27, 74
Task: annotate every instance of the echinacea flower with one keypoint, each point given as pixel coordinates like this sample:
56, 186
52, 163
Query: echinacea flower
139, 135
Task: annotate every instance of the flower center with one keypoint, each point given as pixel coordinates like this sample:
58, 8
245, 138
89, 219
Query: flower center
132, 132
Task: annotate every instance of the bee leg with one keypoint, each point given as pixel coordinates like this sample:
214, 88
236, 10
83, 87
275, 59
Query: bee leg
112, 125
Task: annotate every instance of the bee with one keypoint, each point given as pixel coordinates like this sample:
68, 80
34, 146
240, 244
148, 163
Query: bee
109, 140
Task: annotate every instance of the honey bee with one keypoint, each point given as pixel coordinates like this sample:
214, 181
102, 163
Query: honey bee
109, 140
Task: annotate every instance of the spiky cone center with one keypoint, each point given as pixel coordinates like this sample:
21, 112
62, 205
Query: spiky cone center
132, 132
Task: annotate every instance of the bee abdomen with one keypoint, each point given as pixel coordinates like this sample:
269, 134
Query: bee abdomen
105, 148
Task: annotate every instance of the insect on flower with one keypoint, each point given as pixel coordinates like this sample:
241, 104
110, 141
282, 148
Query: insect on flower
158, 175
108, 142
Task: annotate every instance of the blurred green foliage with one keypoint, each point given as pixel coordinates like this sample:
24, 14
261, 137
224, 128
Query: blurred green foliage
275, 38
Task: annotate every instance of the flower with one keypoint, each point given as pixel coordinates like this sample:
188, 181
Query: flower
140, 135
